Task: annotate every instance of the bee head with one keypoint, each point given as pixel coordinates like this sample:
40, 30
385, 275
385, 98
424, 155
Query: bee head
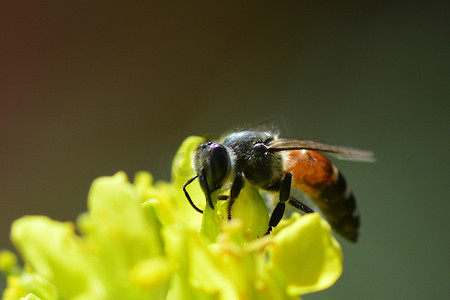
212, 164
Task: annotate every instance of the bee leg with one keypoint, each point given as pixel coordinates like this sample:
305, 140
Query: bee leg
236, 188
285, 193
187, 194
300, 206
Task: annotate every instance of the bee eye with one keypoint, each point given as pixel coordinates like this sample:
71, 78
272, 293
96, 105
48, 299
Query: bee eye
220, 165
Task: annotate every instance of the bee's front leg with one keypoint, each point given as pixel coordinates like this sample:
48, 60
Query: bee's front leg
236, 188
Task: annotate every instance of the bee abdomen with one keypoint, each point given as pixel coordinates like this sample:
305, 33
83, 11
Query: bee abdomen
338, 204
317, 177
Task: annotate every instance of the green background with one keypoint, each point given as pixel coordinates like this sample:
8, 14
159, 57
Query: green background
87, 89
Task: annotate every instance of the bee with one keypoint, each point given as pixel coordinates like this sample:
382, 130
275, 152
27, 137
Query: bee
276, 165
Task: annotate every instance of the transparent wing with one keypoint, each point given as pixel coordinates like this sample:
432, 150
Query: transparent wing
340, 152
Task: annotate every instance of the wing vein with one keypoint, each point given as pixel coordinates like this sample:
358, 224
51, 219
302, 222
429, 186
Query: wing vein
341, 152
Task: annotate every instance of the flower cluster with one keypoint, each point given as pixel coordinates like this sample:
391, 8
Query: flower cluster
143, 240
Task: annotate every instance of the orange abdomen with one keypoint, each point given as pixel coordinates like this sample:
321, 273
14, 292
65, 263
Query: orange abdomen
317, 177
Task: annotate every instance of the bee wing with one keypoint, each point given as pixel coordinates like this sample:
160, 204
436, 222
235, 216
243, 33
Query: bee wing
340, 152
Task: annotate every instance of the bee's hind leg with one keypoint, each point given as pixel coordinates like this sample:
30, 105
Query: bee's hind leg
285, 194
305, 209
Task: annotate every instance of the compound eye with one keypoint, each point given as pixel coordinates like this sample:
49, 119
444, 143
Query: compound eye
220, 165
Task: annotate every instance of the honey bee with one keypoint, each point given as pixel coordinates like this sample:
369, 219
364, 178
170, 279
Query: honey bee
276, 164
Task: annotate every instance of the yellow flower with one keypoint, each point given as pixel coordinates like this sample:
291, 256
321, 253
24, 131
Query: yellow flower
143, 240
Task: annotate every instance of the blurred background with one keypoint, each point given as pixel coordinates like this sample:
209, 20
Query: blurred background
87, 89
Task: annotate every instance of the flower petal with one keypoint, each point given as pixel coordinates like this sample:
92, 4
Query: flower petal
307, 255
252, 210
117, 223
53, 250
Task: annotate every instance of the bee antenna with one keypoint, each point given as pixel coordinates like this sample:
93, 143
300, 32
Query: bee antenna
187, 194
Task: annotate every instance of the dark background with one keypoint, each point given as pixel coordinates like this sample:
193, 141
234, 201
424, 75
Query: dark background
87, 89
